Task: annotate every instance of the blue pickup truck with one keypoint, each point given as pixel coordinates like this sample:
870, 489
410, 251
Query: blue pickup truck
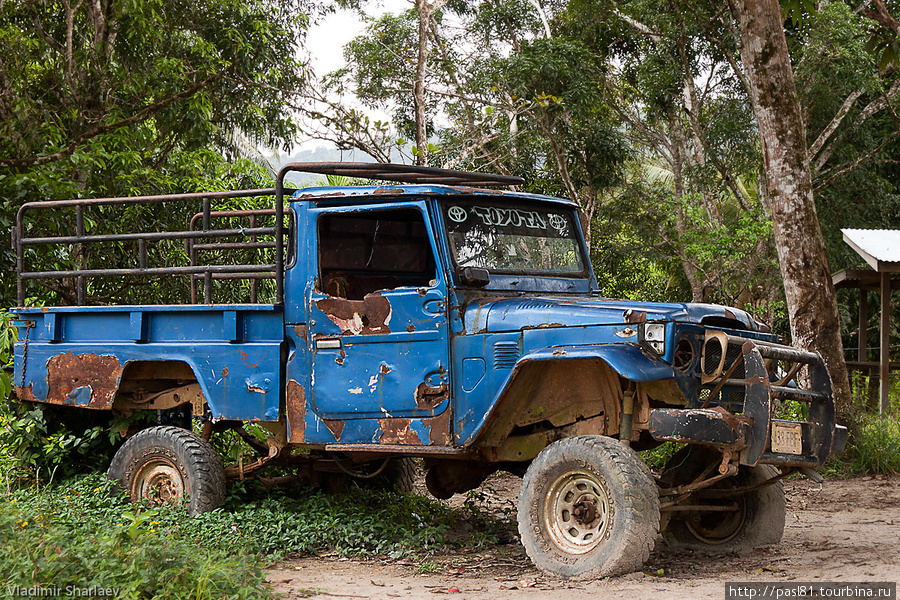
426, 317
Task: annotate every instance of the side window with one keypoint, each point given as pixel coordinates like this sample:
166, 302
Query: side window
363, 252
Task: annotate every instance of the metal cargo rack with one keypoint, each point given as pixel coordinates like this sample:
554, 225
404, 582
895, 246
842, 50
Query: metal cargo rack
200, 236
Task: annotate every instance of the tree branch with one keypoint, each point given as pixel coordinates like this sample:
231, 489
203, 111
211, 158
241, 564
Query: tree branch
145, 113
835, 123
858, 162
872, 108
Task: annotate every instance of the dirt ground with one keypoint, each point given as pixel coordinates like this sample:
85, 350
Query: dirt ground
842, 530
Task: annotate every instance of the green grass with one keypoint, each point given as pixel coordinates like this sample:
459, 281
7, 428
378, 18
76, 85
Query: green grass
874, 448
77, 532
76, 535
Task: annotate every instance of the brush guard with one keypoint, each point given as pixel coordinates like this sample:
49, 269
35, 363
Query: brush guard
755, 435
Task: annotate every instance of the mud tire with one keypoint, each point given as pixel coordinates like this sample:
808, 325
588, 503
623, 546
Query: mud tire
400, 474
165, 464
609, 487
759, 521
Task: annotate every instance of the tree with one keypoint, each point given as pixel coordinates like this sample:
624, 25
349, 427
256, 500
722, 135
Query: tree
108, 97
811, 298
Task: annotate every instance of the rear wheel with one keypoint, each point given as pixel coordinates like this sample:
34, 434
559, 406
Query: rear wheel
166, 464
588, 508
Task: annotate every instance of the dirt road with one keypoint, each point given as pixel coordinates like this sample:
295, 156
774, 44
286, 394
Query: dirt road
836, 531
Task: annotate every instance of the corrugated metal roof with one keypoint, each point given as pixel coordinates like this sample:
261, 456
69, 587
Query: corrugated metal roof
876, 246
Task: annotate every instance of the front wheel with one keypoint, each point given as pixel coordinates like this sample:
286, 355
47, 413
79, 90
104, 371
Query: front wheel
168, 464
739, 521
588, 508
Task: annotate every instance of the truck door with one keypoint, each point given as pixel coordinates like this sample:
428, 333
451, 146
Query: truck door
378, 328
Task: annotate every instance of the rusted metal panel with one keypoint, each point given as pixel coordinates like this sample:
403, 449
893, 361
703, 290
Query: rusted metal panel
559, 392
398, 431
87, 380
439, 433
710, 426
358, 317
295, 406
335, 426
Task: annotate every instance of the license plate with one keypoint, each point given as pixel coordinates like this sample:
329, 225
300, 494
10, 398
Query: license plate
787, 438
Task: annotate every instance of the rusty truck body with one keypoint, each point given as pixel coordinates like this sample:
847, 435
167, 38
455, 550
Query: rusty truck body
428, 318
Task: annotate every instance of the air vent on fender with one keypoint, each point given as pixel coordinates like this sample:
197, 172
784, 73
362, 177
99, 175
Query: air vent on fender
535, 303
505, 355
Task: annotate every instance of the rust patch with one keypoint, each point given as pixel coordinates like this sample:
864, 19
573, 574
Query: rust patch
543, 326
25, 393
300, 330
340, 358
255, 388
295, 404
384, 369
439, 433
84, 379
335, 426
634, 316
411, 328
383, 191
371, 315
245, 358
559, 352
225, 372
428, 397
421, 291
398, 431
732, 420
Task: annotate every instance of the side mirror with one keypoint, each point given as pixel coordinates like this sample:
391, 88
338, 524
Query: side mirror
474, 276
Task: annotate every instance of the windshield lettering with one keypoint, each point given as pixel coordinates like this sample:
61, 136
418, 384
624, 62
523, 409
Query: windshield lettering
532, 240
500, 217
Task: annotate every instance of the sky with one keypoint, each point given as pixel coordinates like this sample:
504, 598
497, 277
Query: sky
325, 41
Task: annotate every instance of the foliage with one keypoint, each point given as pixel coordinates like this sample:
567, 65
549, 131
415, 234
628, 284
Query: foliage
109, 99
874, 448
659, 457
76, 535
255, 521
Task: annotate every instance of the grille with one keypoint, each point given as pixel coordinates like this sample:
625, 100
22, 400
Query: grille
733, 353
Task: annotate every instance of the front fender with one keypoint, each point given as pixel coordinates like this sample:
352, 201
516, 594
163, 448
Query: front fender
627, 359
527, 382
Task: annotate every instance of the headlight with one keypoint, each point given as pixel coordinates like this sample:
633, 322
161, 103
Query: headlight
655, 337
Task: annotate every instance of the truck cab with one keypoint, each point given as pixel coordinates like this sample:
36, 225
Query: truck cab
431, 318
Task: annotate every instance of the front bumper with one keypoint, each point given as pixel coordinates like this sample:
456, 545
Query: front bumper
755, 434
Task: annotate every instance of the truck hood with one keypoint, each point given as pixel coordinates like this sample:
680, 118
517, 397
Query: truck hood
527, 312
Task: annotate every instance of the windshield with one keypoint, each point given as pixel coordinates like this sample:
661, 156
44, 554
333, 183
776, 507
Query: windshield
503, 238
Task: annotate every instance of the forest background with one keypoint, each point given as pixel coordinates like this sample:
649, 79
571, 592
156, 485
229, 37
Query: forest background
642, 112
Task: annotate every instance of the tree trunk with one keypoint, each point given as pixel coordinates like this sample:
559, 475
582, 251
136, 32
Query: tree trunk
811, 299
425, 11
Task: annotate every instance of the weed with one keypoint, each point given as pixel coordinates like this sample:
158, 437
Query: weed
78, 535
427, 566
875, 446
658, 457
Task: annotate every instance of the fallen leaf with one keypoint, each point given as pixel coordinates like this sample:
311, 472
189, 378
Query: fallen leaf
378, 583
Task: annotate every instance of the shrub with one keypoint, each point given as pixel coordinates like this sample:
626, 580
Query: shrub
874, 447
79, 536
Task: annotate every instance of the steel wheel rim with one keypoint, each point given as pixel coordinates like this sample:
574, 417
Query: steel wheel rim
577, 512
719, 527
158, 481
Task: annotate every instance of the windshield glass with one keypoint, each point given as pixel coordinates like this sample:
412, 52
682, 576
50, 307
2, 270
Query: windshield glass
504, 238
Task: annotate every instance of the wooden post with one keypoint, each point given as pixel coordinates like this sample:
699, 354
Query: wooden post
885, 370
861, 352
